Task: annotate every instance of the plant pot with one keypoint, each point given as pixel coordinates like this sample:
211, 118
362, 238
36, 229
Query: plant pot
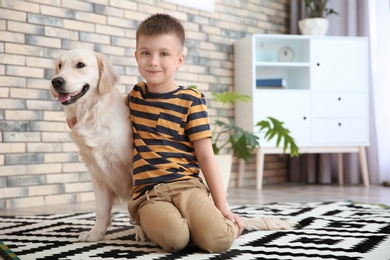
313, 26
224, 162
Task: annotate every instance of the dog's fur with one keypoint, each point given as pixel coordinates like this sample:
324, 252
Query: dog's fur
103, 135
102, 132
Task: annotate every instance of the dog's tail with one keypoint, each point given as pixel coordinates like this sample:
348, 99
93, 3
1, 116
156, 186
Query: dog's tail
251, 224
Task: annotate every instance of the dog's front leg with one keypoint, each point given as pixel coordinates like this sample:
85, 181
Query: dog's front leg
104, 199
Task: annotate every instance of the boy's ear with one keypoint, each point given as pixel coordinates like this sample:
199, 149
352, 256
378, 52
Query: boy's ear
180, 62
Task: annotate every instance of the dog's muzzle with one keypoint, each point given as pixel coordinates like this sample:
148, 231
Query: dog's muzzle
65, 98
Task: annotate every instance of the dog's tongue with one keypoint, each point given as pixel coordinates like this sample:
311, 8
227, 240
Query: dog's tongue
62, 97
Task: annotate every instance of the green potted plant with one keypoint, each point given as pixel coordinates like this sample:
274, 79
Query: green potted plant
315, 22
242, 142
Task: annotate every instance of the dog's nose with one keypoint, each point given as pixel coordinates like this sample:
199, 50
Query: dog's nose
57, 82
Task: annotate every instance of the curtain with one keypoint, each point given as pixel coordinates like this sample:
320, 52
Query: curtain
355, 18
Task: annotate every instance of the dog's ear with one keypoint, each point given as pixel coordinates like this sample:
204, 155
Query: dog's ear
108, 77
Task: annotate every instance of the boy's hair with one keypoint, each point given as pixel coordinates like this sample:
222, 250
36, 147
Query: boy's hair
158, 24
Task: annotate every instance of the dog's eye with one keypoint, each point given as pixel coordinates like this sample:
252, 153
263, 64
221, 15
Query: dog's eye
59, 66
80, 65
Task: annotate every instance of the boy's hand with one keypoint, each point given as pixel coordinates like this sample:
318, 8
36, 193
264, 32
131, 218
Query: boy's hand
235, 219
71, 122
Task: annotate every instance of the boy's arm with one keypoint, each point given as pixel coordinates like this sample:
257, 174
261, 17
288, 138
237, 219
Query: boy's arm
206, 159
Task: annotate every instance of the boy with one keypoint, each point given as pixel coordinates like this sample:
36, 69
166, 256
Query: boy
171, 144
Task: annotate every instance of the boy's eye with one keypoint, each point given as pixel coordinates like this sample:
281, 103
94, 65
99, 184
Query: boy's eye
144, 53
164, 54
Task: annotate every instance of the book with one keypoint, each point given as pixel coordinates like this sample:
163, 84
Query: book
272, 82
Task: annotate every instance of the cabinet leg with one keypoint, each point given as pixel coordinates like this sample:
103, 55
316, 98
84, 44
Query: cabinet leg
340, 168
259, 168
363, 165
241, 168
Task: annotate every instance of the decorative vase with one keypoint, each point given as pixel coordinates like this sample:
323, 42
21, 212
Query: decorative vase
224, 162
313, 26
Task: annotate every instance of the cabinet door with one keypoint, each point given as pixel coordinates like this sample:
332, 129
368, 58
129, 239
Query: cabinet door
339, 105
290, 107
338, 64
342, 131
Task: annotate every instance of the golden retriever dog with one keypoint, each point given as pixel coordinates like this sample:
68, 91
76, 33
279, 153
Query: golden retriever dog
85, 84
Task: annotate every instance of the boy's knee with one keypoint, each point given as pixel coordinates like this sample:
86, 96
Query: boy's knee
174, 239
218, 241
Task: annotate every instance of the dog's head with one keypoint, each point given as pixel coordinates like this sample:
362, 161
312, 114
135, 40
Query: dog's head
81, 73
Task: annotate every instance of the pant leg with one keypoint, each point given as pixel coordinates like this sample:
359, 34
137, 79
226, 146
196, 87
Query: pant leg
160, 219
164, 224
209, 229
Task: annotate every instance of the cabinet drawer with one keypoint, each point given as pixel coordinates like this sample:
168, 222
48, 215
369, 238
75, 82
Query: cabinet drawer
339, 105
343, 131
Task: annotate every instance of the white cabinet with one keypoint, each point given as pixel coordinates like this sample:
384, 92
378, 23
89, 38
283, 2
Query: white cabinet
324, 101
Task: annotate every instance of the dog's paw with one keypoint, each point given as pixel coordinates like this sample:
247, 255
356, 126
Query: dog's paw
140, 234
90, 236
265, 224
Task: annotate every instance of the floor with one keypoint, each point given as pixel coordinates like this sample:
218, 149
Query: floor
241, 196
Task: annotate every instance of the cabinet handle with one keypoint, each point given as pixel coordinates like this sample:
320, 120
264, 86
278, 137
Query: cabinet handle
318, 64
304, 118
339, 123
339, 99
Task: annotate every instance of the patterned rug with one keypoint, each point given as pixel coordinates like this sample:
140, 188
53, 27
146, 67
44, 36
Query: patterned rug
333, 230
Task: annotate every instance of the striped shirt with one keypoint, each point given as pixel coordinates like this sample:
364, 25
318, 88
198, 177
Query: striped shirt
165, 125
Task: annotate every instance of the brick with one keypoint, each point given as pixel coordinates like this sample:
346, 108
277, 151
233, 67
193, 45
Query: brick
23, 93
22, 137
62, 178
47, 126
44, 20
61, 33
12, 192
23, 115
12, 37
54, 116
60, 199
24, 71
7, 81
124, 5
13, 59
28, 180
8, 170
80, 26
67, 44
91, 17
39, 84
110, 30
12, 148
43, 105
43, 41
44, 168
23, 27
4, 92
8, 14
74, 167
3, 182
25, 158
57, 11
2, 159
61, 157
78, 187
69, 147
56, 137
43, 147
85, 196
25, 202
45, 190
93, 37
109, 10
39, 62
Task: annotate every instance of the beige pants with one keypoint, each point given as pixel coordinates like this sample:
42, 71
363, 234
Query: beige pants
172, 214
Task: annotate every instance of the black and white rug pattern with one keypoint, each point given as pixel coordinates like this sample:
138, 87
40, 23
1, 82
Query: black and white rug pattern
333, 230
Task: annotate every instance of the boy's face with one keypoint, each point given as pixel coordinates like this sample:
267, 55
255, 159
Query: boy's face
158, 58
